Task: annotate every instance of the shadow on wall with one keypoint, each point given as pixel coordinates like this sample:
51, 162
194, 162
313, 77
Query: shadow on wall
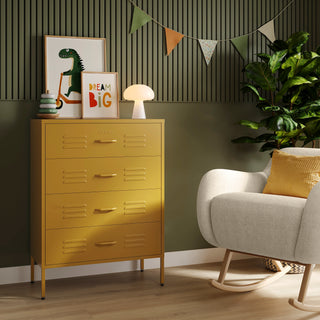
14, 137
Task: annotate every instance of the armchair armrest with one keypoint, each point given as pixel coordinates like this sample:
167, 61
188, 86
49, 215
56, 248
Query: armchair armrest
220, 181
308, 242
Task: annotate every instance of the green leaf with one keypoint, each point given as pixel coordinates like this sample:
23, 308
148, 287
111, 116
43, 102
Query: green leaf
310, 66
261, 75
268, 146
278, 45
295, 81
271, 108
250, 88
275, 60
295, 63
250, 124
265, 57
244, 140
281, 123
265, 137
297, 40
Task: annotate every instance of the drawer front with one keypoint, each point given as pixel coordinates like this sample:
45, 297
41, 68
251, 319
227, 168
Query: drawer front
65, 246
102, 208
102, 140
98, 174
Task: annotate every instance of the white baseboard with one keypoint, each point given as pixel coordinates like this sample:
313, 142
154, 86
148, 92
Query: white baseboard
172, 259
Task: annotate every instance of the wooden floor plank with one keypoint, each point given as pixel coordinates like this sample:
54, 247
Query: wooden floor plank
136, 295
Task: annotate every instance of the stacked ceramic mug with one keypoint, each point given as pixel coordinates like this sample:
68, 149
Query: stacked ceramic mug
47, 108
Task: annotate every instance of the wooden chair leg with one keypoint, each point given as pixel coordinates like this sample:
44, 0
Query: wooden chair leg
299, 303
225, 266
219, 284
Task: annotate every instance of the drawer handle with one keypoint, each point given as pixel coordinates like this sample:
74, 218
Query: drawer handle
106, 141
106, 175
106, 243
105, 210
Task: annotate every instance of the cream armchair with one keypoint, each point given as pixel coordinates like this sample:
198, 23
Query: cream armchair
233, 213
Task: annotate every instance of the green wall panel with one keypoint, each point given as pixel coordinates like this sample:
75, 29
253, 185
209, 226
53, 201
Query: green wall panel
197, 134
141, 57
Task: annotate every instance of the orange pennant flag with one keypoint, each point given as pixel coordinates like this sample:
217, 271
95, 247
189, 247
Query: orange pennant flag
172, 38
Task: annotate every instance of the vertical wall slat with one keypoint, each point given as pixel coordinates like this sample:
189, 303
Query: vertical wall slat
15, 50
27, 56
8, 47
21, 94
3, 53
141, 57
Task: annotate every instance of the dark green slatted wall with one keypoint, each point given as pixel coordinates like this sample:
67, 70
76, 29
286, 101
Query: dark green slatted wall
140, 58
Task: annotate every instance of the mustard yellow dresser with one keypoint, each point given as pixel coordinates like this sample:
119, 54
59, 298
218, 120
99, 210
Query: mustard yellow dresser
97, 192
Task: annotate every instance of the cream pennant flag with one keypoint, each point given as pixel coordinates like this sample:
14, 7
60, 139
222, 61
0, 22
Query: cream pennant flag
207, 47
172, 39
139, 18
241, 44
268, 30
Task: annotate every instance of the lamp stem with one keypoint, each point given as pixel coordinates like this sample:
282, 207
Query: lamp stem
138, 110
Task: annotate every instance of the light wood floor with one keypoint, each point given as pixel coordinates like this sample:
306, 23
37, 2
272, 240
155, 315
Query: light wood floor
135, 295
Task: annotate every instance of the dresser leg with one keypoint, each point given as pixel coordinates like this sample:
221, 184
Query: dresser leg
141, 265
31, 269
162, 270
43, 283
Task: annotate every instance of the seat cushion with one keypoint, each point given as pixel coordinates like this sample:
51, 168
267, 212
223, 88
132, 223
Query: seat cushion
257, 223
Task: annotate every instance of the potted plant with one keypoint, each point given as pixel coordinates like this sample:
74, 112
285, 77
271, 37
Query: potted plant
287, 86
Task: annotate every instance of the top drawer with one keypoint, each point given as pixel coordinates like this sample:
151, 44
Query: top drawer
102, 140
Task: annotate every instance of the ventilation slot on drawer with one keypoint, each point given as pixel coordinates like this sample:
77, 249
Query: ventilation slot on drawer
74, 246
135, 174
73, 212
134, 240
74, 142
131, 141
135, 207
74, 176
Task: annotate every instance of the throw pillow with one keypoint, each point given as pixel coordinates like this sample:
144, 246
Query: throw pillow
292, 175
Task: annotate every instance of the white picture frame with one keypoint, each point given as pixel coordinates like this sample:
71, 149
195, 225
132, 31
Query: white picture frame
100, 95
68, 56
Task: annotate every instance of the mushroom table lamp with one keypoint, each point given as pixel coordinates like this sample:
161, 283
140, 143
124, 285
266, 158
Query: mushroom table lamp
138, 93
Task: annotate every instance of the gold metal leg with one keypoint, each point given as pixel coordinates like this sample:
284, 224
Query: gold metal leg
43, 283
162, 270
141, 265
31, 270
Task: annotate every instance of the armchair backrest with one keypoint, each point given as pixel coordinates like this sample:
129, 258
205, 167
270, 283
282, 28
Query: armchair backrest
295, 151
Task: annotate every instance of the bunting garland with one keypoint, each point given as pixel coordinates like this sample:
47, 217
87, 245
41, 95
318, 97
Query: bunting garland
172, 39
139, 18
241, 44
268, 30
207, 46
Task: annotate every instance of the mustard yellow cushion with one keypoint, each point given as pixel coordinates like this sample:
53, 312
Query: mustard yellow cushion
292, 175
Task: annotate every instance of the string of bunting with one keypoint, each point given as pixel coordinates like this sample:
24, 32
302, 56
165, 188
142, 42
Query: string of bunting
207, 46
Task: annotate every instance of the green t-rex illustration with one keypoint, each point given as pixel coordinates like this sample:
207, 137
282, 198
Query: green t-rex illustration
75, 71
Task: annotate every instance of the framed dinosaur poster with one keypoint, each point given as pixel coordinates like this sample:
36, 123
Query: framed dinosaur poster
65, 59
100, 94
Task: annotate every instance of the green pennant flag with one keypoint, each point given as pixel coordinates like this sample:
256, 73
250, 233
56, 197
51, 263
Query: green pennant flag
139, 18
241, 44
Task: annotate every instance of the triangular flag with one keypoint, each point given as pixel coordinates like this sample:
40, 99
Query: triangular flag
241, 44
172, 38
139, 18
207, 47
268, 30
